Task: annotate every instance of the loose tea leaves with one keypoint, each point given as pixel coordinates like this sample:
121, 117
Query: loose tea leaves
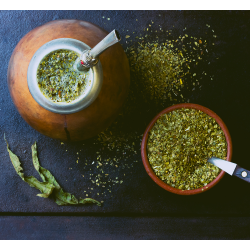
57, 78
160, 68
49, 187
165, 69
179, 145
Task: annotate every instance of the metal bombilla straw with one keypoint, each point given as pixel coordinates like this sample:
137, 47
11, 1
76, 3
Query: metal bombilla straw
89, 58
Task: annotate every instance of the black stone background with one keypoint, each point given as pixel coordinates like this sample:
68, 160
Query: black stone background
224, 210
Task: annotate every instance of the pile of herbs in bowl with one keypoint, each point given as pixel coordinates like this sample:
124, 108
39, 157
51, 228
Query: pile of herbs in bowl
177, 144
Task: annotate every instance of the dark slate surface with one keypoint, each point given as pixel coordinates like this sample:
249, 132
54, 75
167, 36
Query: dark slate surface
123, 228
227, 95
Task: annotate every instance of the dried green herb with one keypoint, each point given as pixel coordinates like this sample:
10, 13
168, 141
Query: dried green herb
49, 186
164, 68
89, 200
57, 78
45, 187
160, 67
179, 145
60, 197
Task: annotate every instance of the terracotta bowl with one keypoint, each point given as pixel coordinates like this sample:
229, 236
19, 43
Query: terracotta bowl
150, 170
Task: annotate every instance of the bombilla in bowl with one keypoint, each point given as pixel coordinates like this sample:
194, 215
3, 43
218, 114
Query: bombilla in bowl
89, 58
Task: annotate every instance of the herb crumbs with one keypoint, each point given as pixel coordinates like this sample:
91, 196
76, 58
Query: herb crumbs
57, 78
179, 145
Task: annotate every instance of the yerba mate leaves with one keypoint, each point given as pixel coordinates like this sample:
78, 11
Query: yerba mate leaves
45, 187
89, 200
49, 187
60, 197
179, 144
57, 78
44, 173
15, 161
63, 197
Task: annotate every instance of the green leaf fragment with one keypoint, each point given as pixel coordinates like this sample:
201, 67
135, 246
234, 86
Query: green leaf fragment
49, 186
89, 200
45, 187
60, 202
44, 173
15, 161
64, 197
60, 197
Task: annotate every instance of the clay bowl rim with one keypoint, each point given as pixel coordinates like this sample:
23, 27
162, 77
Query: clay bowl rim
150, 171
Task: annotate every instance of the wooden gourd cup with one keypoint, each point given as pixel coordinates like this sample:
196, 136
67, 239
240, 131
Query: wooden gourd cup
89, 121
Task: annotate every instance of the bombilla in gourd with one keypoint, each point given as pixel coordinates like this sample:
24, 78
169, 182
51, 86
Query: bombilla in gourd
89, 58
